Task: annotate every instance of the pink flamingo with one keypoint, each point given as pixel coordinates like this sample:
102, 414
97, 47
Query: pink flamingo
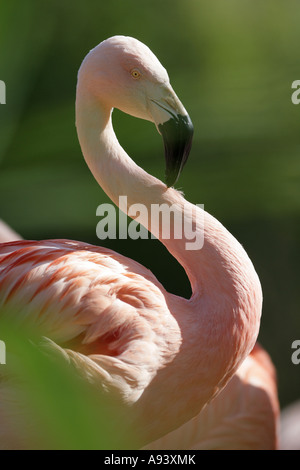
164, 356
244, 416
7, 234
289, 438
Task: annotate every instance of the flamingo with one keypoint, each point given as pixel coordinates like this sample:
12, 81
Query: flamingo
244, 416
7, 234
163, 356
290, 427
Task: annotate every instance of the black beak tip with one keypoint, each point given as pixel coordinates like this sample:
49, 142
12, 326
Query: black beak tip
171, 178
177, 134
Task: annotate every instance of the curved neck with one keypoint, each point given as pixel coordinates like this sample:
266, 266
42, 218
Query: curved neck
219, 261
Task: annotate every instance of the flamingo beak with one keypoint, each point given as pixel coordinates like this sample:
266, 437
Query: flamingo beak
176, 128
177, 135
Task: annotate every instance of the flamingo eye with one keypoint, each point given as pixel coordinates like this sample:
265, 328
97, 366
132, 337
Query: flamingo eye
135, 73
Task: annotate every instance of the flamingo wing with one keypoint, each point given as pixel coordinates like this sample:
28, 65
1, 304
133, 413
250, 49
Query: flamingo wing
106, 313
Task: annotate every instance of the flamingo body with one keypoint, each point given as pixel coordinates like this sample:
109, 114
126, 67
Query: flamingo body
244, 416
290, 427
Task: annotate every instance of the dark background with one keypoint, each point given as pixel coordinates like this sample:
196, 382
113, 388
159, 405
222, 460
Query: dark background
232, 64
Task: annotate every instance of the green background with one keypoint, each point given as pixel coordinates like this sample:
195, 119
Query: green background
232, 65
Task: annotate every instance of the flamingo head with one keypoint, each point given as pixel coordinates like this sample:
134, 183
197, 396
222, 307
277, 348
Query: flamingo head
123, 73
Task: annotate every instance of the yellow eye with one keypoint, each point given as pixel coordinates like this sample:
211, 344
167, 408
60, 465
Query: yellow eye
135, 73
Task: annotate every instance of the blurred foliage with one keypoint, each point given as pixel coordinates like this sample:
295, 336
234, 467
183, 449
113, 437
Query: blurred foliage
232, 64
57, 408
